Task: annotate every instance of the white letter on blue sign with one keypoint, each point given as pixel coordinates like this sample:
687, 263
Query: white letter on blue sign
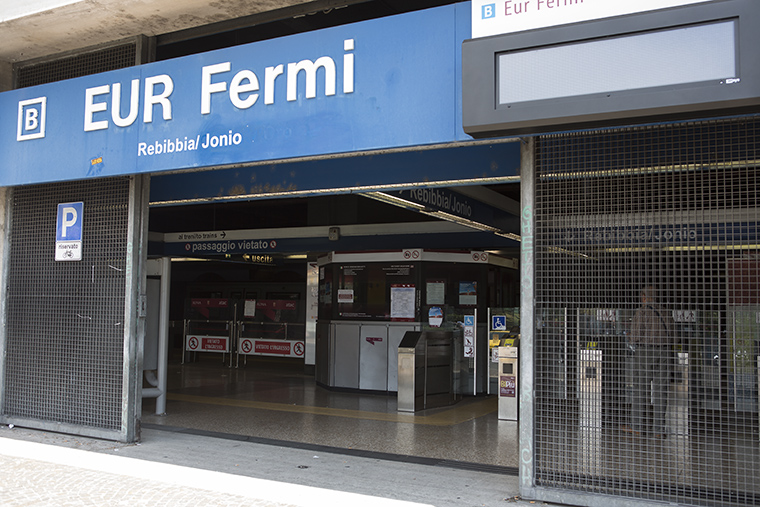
207, 87
134, 104
31, 122
161, 99
91, 107
68, 222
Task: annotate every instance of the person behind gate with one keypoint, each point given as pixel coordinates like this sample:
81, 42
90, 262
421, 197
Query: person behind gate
650, 340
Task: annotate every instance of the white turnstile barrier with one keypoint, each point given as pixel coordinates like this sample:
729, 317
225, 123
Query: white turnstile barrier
509, 383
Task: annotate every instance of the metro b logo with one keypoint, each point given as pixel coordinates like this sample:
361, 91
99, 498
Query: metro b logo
488, 11
31, 119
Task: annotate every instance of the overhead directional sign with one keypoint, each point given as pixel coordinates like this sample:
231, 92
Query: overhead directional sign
467, 209
68, 231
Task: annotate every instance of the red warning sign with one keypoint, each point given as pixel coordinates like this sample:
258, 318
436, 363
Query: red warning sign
280, 348
196, 343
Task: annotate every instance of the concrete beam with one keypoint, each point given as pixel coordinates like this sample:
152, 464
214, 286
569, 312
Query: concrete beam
6, 76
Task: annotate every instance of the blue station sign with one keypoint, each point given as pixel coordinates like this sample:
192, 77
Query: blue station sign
384, 83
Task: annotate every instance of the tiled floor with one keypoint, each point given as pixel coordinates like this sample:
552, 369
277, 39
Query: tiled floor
278, 401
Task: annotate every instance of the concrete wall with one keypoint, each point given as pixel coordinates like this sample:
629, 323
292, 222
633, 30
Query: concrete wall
6, 76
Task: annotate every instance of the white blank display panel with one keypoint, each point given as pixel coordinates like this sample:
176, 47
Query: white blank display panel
691, 54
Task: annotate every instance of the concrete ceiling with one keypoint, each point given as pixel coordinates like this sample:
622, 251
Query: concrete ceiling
49, 27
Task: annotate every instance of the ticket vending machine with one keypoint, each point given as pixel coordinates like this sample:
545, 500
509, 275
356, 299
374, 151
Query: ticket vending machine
509, 383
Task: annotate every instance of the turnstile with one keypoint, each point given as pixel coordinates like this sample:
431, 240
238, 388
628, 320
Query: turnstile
425, 370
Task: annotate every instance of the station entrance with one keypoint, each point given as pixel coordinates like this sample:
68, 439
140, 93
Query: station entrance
247, 353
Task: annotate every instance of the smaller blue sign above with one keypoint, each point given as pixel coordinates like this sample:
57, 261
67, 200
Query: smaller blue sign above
469, 320
69, 222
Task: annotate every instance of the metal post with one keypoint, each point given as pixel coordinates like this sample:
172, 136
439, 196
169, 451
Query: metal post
564, 357
6, 194
163, 335
134, 307
488, 351
238, 339
475, 355
527, 317
232, 334
184, 338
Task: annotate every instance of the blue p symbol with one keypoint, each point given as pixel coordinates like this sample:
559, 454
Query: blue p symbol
69, 221
70, 217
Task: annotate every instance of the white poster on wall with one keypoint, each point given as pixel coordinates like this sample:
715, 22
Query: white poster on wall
402, 302
491, 17
249, 309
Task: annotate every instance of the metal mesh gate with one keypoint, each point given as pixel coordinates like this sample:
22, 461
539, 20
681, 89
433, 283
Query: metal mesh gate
65, 326
83, 63
661, 406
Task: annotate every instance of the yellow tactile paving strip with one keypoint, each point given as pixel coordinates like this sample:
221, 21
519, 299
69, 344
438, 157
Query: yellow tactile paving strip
448, 417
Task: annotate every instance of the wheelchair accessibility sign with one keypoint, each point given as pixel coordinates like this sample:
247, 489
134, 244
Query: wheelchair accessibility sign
68, 231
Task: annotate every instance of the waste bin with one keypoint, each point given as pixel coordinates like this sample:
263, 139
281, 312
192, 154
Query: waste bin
509, 382
425, 370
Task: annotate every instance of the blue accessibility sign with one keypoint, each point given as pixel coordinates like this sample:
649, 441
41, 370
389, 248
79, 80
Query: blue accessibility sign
498, 322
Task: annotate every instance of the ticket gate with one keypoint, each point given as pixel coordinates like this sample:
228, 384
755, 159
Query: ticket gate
425, 371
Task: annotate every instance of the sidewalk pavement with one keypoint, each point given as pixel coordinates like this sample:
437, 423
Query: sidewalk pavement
178, 469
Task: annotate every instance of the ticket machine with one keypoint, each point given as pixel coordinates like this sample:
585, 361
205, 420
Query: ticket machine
509, 383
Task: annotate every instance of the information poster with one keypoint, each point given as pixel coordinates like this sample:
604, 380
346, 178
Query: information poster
249, 310
468, 293
435, 293
402, 302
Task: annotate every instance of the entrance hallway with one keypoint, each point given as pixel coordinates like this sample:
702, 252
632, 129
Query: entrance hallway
276, 401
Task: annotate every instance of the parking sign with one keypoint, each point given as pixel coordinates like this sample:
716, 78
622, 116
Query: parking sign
68, 231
